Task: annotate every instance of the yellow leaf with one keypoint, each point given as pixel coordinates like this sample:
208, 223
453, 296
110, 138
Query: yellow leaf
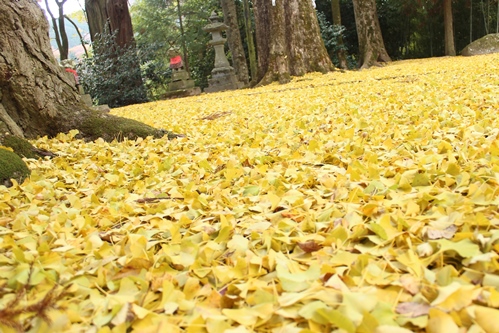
486, 318
440, 321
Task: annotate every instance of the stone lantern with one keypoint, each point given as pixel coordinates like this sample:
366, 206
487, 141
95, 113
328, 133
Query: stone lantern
223, 76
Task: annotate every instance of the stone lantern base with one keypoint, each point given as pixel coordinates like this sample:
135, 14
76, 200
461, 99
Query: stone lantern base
223, 78
181, 86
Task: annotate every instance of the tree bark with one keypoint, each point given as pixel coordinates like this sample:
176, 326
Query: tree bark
234, 40
289, 42
450, 49
371, 46
120, 21
250, 41
97, 18
37, 97
335, 5
64, 51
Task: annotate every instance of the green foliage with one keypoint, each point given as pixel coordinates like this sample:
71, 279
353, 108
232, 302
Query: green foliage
12, 167
330, 35
112, 75
166, 39
415, 28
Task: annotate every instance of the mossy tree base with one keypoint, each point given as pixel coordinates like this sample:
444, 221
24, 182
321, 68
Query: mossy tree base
12, 167
23, 147
97, 124
37, 97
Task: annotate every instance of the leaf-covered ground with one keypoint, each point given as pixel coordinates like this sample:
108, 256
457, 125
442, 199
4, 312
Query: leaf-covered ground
350, 202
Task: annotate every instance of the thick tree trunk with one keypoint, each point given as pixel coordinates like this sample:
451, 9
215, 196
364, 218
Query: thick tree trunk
234, 41
335, 5
371, 46
450, 49
37, 97
120, 21
284, 51
97, 18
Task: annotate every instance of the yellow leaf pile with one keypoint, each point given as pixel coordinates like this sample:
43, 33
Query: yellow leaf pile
359, 202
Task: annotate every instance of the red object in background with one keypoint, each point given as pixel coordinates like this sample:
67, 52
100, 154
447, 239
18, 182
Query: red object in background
176, 62
72, 71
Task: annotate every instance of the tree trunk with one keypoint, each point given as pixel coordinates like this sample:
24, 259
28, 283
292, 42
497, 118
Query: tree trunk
120, 21
114, 14
371, 46
289, 41
97, 18
234, 40
248, 27
37, 96
335, 4
64, 51
450, 49
61, 38
185, 56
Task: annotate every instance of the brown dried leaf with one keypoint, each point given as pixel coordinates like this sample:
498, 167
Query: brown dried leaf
413, 309
310, 246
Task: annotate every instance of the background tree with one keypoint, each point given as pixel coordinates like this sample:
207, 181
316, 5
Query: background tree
97, 17
250, 41
450, 49
371, 46
146, 15
37, 96
110, 24
120, 21
288, 39
59, 28
234, 40
341, 53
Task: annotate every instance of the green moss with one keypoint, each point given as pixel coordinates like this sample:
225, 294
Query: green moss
20, 146
109, 127
12, 167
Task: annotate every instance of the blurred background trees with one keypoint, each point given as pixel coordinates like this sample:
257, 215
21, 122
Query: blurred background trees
409, 29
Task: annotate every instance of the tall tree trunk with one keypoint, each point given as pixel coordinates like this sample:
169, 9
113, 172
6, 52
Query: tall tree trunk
335, 4
120, 21
450, 49
371, 46
283, 51
37, 97
97, 18
471, 20
248, 28
64, 51
234, 40
182, 34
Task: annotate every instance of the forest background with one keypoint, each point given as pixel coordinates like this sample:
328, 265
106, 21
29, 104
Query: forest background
410, 29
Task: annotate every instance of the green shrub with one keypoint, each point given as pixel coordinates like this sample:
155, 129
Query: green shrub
330, 34
112, 74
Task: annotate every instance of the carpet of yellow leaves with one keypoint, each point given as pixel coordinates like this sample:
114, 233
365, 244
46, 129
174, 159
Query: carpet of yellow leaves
350, 202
